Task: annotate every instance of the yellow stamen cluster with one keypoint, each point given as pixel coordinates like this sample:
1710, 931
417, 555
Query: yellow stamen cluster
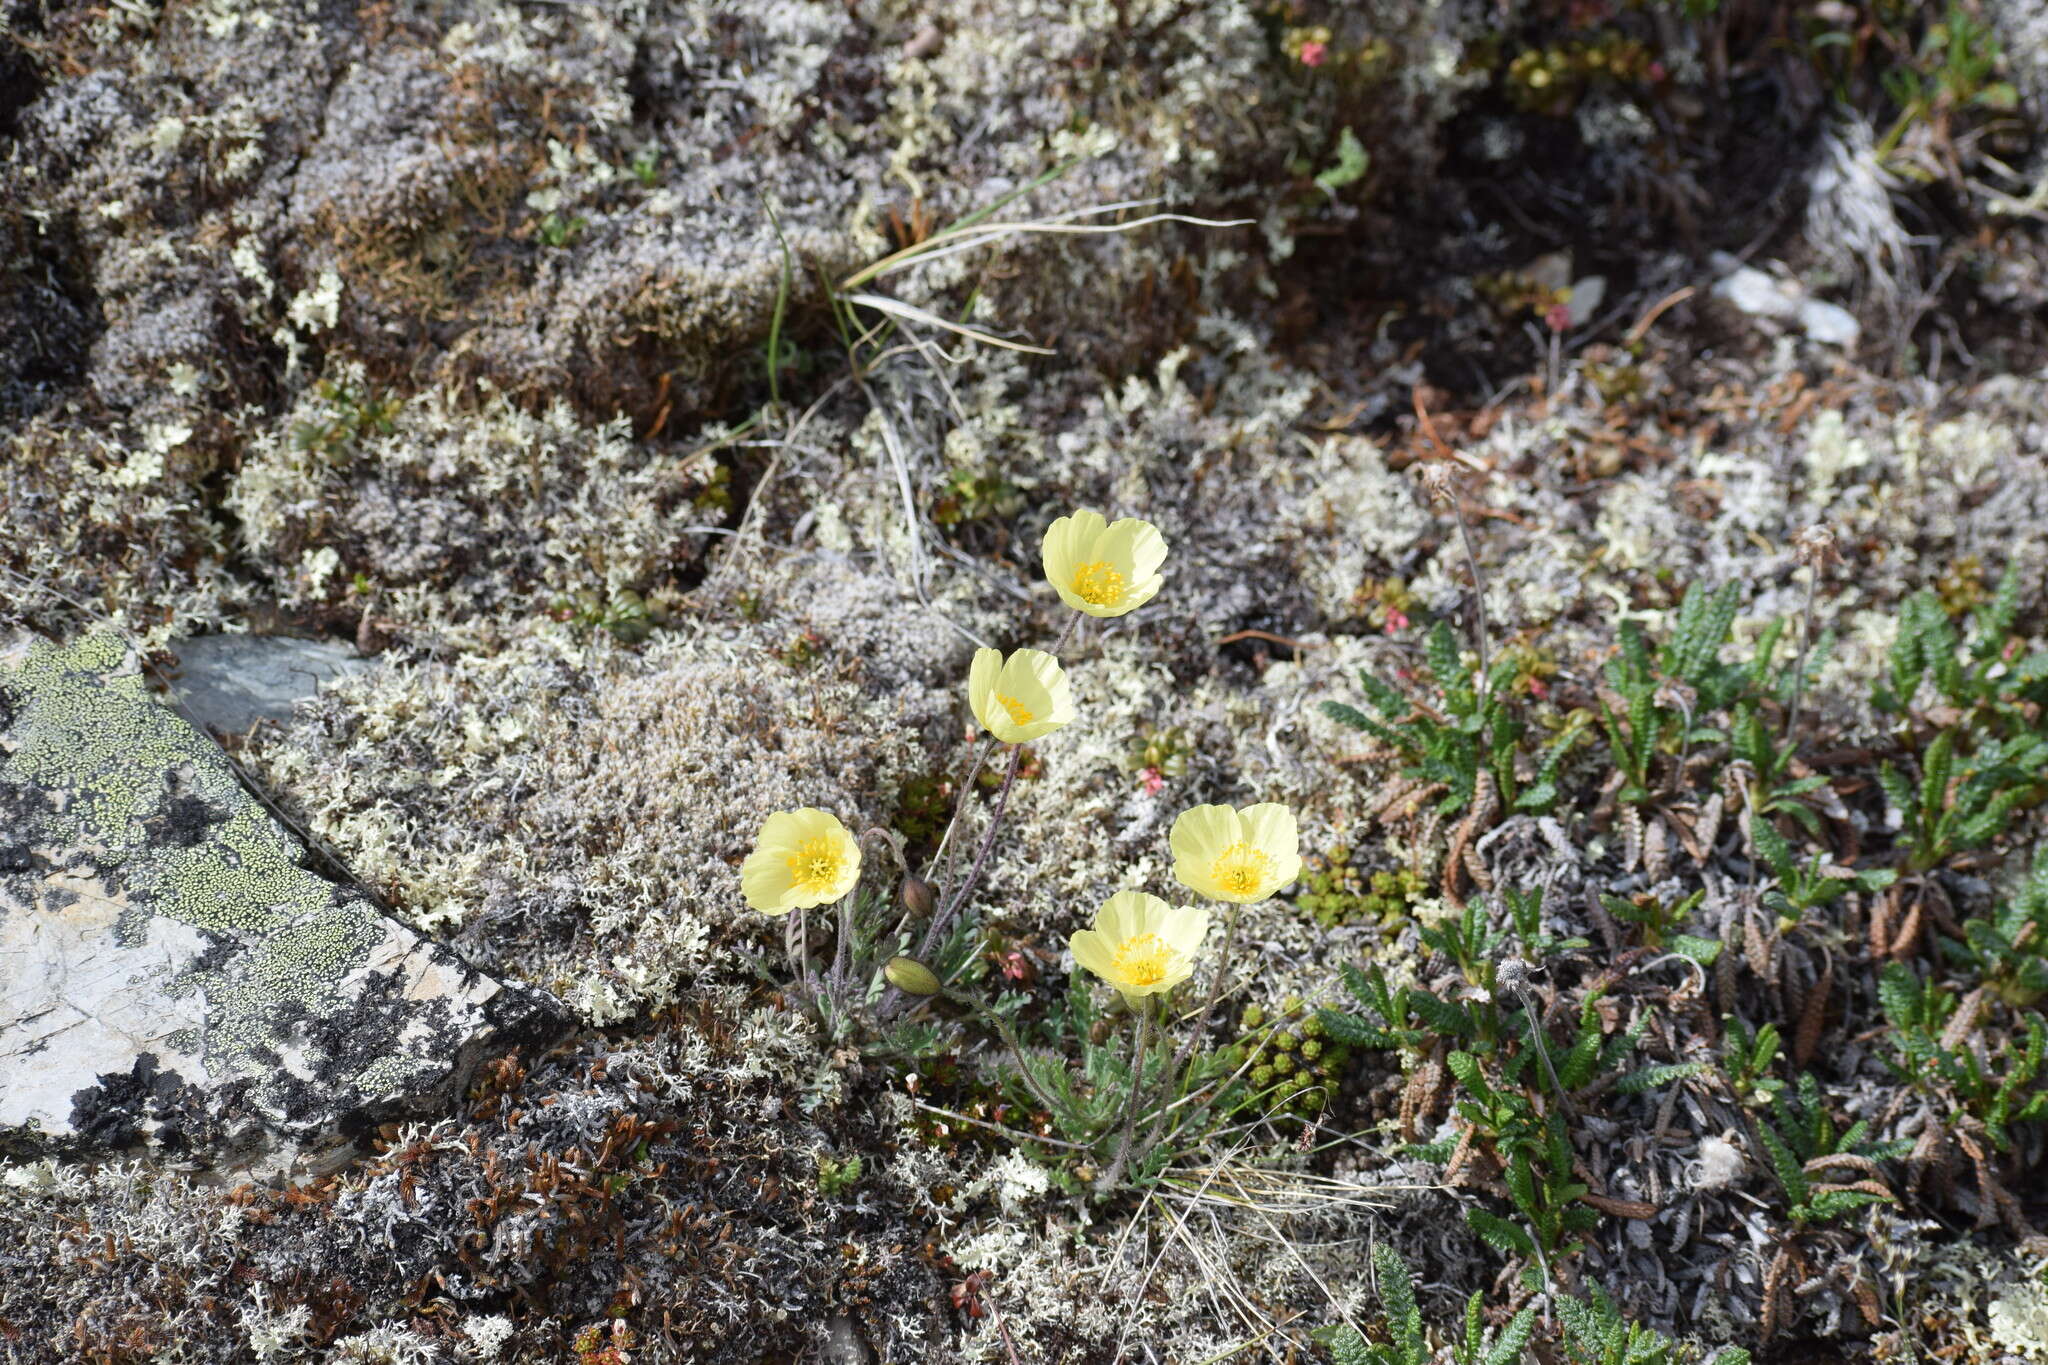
1020, 714
1099, 584
1241, 869
1142, 960
814, 867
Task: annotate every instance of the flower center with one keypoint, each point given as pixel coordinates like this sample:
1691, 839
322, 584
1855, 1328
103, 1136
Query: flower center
1020, 714
814, 867
1241, 869
1099, 584
1141, 961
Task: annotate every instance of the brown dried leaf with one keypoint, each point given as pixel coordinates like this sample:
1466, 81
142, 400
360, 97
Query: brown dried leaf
1812, 1015
1619, 1208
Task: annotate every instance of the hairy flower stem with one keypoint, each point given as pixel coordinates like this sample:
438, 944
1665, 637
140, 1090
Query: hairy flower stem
796, 946
842, 952
1805, 644
1478, 595
1201, 1024
939, 868
1528, 998
937, 871
891, 1001
934, 935
1142, 1038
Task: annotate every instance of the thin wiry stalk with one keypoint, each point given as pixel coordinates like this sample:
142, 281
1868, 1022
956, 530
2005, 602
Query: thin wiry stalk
1805, 644
1217, 1086
891, 1001
1218, 1273
1014, 1134
1201, 1026
943, 244
842, 953
1543, 1049
989, 1292
943, 920
1143, 1039
1478, 593
910, 312
1009, 1037
1288, 1246
940, 867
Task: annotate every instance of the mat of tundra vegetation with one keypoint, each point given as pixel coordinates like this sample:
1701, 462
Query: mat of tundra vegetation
1519, 838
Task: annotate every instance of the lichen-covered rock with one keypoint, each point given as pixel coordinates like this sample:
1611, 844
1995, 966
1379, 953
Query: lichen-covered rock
171, 970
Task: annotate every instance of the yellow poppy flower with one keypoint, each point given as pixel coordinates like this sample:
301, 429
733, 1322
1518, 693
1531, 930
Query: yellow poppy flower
1019, 698
801, 858
1103, 568
1235, 855
1140, 944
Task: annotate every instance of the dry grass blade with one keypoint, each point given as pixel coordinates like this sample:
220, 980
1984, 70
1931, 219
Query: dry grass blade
964, 239
1277, 1191
910, 312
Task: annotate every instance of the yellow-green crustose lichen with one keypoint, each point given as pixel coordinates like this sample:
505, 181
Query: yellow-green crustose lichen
136, 780
134, 798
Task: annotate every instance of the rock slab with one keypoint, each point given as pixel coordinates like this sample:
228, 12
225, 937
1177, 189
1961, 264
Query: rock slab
172, 970
229, 682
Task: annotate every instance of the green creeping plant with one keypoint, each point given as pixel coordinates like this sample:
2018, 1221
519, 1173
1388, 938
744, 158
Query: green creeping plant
2009, 946
1471, 729
1998, 1085
1406, 1343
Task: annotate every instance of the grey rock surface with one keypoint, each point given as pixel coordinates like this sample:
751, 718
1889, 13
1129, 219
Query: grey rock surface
229, 682
171, 971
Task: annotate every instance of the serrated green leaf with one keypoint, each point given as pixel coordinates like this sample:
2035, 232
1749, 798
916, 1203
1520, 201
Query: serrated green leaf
1498, 1233
1896, 789
1397, 1295
1784, 1165
1661, 1073
1899, 993
1513, 1339
1772, 848
1700, 950
1344, 1343
1582, 1326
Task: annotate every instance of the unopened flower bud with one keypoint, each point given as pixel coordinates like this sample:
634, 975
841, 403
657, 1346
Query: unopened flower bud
910, 976
916, 895
1511, 974
1815, 547
1436, 481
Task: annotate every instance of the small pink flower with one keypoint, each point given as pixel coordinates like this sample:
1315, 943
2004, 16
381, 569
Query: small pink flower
1539, 689
1152, 781
1559, 318
1397, 620
1314, 53
1655, 71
